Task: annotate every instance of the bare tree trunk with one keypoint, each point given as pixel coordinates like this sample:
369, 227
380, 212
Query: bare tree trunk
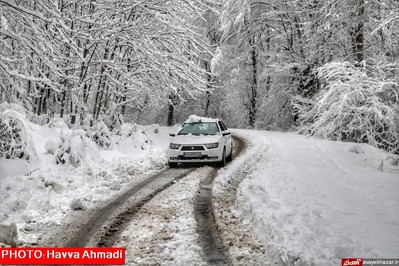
358, 32
63, 98
209, 85
40, 103
171, 108
254, 88
99, 88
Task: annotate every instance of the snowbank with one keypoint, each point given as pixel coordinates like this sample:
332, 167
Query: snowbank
72, 168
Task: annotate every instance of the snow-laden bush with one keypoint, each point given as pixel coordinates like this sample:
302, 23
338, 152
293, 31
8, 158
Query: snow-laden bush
40, 120
74, 148
127, 130
100, 134
51, 146
132, 136
14, 139
113, 119
14, 107
354, 106
57, 123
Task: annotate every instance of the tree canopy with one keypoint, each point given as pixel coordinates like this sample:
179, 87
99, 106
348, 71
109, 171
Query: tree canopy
328, 68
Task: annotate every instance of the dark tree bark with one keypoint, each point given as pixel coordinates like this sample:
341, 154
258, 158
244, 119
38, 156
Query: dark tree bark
171, 109
358, 32
209, 85
254, 87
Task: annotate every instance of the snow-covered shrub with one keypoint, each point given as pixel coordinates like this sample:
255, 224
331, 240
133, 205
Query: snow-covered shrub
132, 136
14, 107
356, 149
127, 130
393, 160
100, 134
14, 139
113, 119
352, 107
6, 139
40, 120
75, 148
57, 123
51, 146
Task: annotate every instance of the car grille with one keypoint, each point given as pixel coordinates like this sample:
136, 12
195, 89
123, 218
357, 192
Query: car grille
182, 158
192, 148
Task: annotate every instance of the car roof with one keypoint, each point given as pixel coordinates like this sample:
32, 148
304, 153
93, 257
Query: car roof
197, 119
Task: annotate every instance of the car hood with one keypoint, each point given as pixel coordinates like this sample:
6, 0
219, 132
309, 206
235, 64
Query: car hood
194, 139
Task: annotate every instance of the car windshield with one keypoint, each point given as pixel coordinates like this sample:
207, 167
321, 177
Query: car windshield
204, 128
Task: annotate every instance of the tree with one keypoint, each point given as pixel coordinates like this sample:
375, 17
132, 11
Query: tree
98, 58
353, 106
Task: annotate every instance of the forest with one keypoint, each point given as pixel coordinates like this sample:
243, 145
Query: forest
324, 68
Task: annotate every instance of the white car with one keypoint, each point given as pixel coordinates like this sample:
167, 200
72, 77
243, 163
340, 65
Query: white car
201, 140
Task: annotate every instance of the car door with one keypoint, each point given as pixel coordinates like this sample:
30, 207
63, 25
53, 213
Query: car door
226, 137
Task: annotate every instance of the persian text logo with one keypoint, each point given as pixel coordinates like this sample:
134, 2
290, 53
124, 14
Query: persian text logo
352, 261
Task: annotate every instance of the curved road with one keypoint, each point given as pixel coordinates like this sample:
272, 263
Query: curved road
105, 225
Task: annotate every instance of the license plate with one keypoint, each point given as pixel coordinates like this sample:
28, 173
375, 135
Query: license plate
192, 154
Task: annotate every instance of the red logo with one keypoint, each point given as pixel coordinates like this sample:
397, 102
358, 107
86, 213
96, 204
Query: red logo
352, 261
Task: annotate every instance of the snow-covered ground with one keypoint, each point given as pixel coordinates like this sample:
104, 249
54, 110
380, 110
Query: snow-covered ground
163, 232
314, 201
43, 193
305, 200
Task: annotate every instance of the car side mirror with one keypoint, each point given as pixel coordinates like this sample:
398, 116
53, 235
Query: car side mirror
226, 133
172, 134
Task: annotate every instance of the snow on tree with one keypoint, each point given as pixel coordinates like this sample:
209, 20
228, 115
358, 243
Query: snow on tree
101, 135
74, 148
86, 58
15, 141
352, 106
253, 63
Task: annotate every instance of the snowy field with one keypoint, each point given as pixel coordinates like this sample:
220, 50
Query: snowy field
307, 200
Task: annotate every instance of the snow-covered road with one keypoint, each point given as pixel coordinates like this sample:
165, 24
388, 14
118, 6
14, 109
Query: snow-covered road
317, 201
286, 199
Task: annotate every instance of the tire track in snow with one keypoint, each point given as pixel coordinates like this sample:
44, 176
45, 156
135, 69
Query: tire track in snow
105, 225
207, 230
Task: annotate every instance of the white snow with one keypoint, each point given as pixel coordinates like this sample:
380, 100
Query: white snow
314, 201
42, 193
163, 232
307, 200
196, 118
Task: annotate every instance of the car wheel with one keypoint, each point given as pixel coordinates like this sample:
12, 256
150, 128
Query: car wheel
230, 157
172, 165
222, 162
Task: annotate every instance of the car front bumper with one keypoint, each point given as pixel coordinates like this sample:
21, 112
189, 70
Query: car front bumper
195, 156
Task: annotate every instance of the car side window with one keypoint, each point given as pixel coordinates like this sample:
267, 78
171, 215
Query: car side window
222, 126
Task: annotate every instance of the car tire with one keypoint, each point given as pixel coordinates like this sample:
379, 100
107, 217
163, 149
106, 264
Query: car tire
172, 165
230, 157
222, 162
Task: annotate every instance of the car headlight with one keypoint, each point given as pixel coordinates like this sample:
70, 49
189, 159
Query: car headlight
174, 146
212, 145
